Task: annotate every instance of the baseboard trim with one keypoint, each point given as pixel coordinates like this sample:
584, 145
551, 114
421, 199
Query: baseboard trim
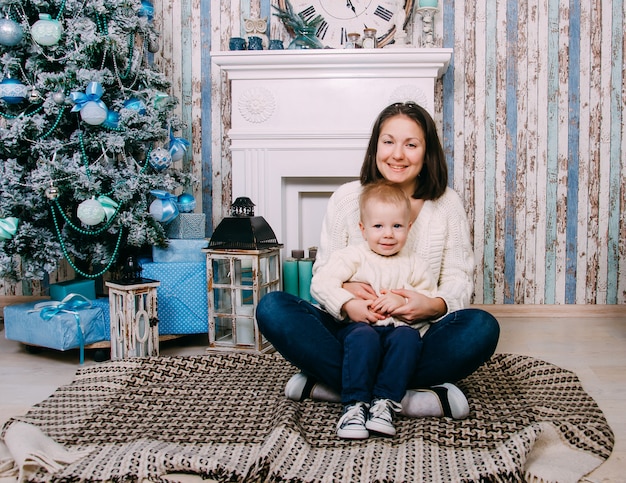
569, 310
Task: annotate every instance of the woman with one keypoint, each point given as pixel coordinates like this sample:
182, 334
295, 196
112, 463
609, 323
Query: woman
404, 148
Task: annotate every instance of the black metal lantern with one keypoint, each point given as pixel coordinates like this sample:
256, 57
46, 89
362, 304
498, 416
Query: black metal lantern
243, 264
242, 230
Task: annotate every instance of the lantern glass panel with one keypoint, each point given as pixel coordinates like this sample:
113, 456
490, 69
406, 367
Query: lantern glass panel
273, 267
245, 302
222, 300
245, 330
244, 278
221, 271
243, 271
224, 329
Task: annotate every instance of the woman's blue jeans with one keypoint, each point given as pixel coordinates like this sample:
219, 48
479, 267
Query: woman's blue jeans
306, 336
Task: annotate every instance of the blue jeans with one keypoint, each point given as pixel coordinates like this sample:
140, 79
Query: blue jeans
306, 336
377, 361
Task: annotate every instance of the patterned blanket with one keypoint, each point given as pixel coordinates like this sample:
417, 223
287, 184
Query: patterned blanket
224, 416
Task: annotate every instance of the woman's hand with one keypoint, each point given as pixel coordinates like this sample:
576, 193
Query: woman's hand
418, 307
363, 291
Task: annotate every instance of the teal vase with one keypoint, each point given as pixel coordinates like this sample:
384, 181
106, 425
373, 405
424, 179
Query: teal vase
306, 39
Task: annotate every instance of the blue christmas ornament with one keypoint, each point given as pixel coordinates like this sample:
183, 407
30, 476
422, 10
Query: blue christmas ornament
12, 91
136, 105
8, 227
108, 205
186, 203
163, 208
92, 109
112, 121
146, 10
160, 159
11, 32
178, 147
160, 98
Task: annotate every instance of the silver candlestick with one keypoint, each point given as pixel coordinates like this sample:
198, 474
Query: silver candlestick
428, 31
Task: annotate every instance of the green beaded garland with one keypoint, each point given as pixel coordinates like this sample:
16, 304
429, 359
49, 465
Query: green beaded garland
69, 259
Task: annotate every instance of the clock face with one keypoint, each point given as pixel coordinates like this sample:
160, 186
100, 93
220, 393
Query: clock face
342, 17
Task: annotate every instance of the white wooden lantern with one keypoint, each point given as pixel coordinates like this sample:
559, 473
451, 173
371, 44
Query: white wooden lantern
243, 264
134, 318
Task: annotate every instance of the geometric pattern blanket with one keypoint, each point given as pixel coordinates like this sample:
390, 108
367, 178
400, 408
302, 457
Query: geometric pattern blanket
225, 417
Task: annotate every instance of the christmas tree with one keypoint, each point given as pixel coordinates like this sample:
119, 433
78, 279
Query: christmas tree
87, 136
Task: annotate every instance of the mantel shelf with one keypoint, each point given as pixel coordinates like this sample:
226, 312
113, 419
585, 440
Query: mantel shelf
382, 63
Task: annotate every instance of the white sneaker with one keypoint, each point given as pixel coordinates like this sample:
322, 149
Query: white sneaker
448, 400
295, 387
380, 417
301, 387
351, 425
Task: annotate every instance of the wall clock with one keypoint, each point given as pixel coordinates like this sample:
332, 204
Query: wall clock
342, 17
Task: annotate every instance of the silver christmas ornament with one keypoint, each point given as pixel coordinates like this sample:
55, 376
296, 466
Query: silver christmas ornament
160, 159
11, 32
52, 193
58, 97
34, 95
153, 46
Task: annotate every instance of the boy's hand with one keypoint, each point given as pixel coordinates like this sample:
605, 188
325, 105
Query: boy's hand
387, 303
358, 310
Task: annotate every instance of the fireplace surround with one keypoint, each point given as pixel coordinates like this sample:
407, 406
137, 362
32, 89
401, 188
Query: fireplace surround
300, 122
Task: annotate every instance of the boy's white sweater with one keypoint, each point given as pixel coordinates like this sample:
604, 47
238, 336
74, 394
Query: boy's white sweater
439, 236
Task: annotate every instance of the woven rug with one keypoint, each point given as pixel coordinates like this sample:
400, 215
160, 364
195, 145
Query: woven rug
225, 417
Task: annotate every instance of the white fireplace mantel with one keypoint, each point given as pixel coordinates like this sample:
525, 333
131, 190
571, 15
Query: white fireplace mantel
300, 121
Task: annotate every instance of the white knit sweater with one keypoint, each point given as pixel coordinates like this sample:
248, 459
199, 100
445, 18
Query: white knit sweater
358, 263
440, 236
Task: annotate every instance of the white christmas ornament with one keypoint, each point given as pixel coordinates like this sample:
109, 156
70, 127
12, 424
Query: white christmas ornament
164, 210
93, 113
90, 212
46, 31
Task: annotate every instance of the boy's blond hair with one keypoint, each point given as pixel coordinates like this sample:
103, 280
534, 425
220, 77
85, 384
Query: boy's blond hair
384, 192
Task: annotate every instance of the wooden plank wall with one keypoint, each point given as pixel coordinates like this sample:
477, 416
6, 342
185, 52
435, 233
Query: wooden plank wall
533, 123
531, 113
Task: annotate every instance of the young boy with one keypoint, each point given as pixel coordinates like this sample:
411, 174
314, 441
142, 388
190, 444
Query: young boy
379, 351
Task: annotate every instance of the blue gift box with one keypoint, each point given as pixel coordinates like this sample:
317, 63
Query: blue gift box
182, 296
24, 324
187, 226
86, 288
180, 250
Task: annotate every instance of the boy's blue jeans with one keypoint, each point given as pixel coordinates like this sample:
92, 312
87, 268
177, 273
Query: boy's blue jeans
308, 337
378, 362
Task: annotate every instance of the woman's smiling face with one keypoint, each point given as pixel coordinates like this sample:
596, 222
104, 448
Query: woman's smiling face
400, 152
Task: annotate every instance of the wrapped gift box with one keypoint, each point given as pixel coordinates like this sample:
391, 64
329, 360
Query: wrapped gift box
24, 325
182, 296
86, 288
180, 251
187, 225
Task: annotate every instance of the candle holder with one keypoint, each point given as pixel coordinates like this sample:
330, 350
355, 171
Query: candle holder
134, 318
428, 31
243, 264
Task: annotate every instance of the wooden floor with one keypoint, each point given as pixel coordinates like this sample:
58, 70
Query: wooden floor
590, 342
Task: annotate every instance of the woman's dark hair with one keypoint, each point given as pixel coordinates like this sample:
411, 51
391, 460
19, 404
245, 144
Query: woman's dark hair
433, 179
